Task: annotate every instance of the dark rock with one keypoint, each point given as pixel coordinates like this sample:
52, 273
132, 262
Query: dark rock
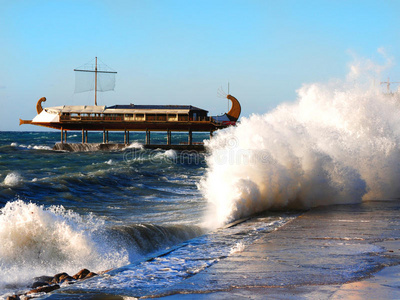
57, 277
44, 278
38, 284
67, 279
81, 274
63, 277
90, 275
14, 297
44, 289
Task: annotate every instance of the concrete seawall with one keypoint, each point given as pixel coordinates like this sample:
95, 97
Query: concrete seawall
332, 252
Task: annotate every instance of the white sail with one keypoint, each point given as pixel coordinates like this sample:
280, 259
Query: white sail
84, 81
85, 78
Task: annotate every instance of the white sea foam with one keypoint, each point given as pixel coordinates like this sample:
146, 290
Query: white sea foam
40, 147
39, 241
134, 145
239, 247
170, 154
35, 147
167, 156
12, 179
110, 162
338, 143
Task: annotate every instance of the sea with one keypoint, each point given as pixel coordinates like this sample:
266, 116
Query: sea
149, 219
107, 210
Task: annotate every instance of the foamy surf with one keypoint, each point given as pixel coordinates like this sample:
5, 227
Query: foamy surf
34, 147
12, 179
338, 143
38, 241
135, 145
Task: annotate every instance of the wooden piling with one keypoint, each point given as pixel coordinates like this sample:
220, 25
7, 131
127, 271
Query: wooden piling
190, 138
169, 137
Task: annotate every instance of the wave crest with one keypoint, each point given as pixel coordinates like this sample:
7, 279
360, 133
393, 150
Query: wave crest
12, 179
38, 240
338, 143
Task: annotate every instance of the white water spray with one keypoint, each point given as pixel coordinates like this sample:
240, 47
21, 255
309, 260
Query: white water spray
39, 241
338, 143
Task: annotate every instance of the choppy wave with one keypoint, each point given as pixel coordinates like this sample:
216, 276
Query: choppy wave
338, 143
147, 238
39, 241
34, 147
12, 179
135, 145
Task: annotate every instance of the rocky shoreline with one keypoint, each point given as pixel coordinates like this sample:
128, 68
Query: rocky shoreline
46, 284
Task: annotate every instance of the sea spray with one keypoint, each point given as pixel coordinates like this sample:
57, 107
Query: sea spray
38, 240
338, 143
44, 241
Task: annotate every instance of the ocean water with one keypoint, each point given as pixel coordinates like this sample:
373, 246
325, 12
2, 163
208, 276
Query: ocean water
64, 211
154, 218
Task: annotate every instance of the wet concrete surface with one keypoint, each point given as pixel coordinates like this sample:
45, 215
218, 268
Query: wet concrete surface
333, 252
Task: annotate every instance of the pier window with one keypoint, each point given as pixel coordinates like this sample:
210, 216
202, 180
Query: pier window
128, 117
85, 116
139, 117
65, 116
75, 116
150, 117
161, 117
118, 117
183, 118
172, 118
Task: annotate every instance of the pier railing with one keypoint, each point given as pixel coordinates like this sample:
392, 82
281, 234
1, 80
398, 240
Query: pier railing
129, 119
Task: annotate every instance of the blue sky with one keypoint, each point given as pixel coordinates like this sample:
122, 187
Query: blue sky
181, 52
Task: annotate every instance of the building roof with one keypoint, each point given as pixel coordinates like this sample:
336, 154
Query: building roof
148, 107
128, 109
76, 109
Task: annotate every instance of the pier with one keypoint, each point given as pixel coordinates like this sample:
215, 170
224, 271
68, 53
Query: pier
129, 117
64, 145
77, 147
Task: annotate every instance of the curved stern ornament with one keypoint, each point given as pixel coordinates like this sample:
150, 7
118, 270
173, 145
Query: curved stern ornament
39, 107
235, 110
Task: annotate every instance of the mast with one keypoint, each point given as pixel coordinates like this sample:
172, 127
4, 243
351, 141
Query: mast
103, 84
388, 83
95, 83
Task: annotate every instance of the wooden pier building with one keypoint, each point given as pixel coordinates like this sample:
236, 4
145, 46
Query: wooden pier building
126, 118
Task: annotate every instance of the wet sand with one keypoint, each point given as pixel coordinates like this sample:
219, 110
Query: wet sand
335, 252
